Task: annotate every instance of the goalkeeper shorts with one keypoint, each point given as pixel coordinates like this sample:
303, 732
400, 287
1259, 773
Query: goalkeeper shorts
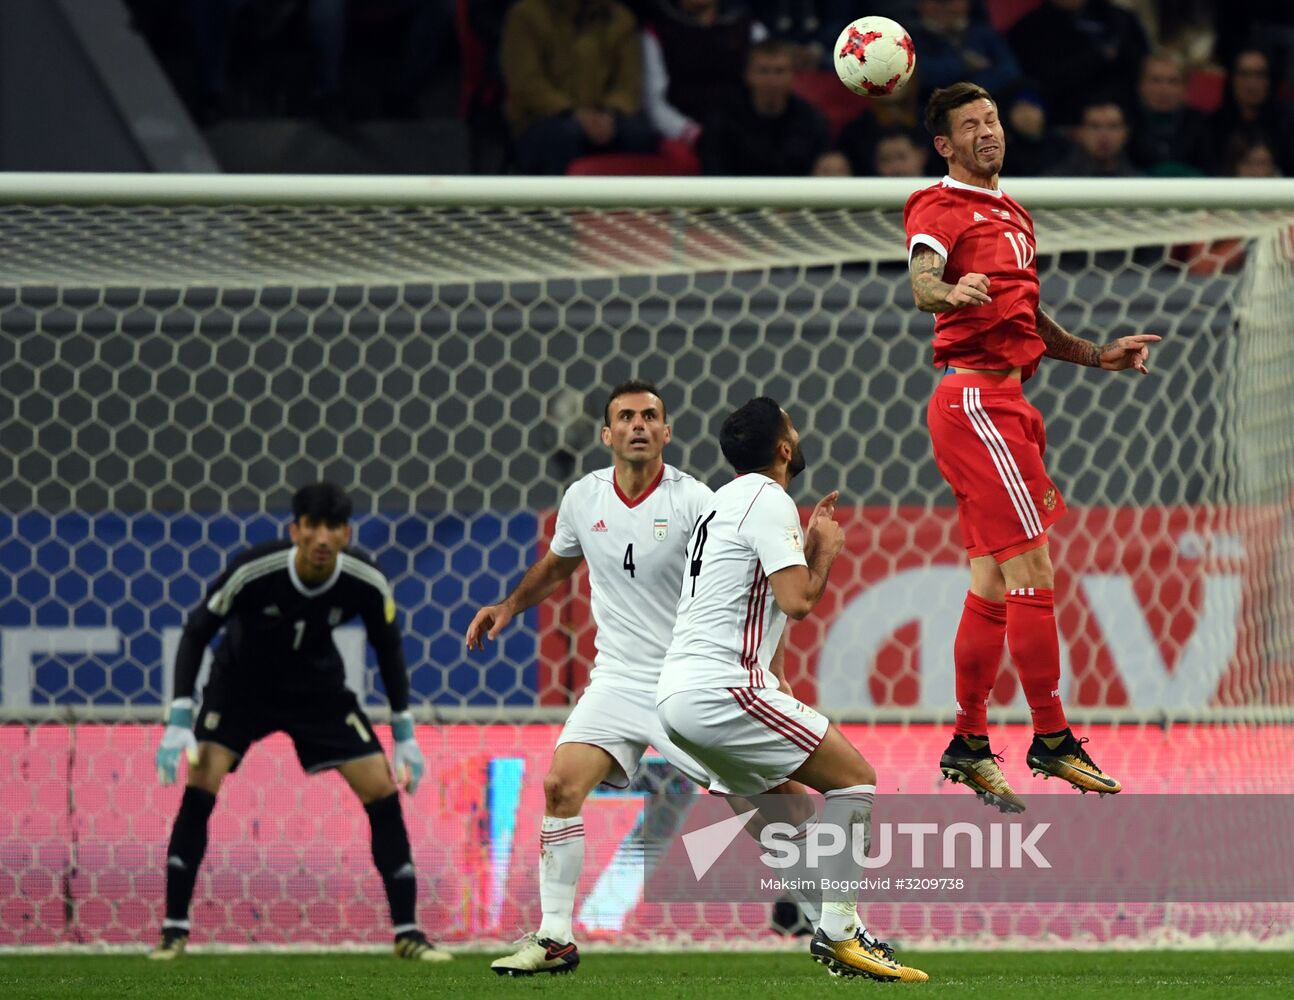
326, 732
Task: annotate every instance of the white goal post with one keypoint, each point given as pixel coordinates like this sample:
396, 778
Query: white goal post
180, 351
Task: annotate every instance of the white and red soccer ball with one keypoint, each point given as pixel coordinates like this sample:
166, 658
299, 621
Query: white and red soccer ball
874, 56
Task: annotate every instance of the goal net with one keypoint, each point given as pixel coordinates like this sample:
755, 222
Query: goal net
178, 355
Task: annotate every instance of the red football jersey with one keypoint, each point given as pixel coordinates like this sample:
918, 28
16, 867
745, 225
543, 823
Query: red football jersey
984, 232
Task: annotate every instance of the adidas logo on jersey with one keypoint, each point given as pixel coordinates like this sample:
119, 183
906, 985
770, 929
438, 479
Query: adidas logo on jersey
980, 218
600, 526
272, 611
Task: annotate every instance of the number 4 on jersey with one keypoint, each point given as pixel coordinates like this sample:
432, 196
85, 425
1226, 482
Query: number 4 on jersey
701, 532
629, 560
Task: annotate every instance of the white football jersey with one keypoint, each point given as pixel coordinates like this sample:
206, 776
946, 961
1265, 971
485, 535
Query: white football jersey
636, 553
728, 623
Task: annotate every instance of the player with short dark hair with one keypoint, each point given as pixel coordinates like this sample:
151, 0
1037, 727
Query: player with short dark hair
750, 435
278, 669
722, 697
972, 256
628, 524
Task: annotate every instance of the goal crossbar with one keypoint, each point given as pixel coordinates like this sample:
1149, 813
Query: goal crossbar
618, 192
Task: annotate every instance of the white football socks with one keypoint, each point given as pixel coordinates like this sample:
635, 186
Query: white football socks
808, 900
561, 860
850, 810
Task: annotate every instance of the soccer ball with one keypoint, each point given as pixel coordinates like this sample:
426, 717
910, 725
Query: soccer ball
874, 56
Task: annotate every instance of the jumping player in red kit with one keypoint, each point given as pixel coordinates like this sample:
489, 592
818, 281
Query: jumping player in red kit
971, 254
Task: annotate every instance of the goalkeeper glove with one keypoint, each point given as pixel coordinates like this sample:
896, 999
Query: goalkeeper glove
408, 761
178, 736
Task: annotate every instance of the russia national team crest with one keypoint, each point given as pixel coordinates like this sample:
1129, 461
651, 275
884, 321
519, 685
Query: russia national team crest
660, 527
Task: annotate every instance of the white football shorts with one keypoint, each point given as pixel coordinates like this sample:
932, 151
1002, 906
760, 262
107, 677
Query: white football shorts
623, 721
748, 739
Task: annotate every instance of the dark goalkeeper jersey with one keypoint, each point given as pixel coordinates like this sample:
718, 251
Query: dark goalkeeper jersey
278, 631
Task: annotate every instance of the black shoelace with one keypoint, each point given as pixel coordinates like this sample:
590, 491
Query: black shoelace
873, 944
1081, 754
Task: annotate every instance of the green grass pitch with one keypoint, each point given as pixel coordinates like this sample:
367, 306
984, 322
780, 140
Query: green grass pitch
607, 975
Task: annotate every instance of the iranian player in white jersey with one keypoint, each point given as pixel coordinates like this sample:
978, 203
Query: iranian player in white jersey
749, 567
629, 523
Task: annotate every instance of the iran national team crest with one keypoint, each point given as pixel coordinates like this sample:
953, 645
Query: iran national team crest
660, 527
334, 617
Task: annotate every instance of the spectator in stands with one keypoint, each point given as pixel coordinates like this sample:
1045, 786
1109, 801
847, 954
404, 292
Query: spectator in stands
1032, 146
952, 45
832, 163
573, 73
1249, 107
1100, 144
694, 53
1068, 47
900, 153
858, 139
790, 20
1250, 155
767, 131
1168, 138
1181, 26
833, 15
1246, 24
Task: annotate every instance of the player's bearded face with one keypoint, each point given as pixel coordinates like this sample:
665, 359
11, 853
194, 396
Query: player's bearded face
978, 142
797, 462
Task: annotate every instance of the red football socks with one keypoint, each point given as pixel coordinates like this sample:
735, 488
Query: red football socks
1035, 647
977, 654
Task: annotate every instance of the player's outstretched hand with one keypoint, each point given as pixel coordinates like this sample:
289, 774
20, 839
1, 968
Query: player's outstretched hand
487, 624
1129, 352
407, 757
826, 507
970, 290
823, 529
176, 738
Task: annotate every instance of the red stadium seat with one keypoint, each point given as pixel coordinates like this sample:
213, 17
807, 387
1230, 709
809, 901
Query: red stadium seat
1004, 13
674, 159
1205, 89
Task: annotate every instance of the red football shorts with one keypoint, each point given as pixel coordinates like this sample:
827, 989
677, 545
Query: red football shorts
988, 442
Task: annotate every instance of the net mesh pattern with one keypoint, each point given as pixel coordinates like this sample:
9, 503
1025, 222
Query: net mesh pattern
169, 375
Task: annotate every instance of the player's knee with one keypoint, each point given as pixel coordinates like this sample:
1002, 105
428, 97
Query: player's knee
563, 798
864, 773
207, 778
1030, 569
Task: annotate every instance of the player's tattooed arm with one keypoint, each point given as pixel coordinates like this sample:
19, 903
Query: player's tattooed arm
1064, 346
933, 294
928, 287
1116, 356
